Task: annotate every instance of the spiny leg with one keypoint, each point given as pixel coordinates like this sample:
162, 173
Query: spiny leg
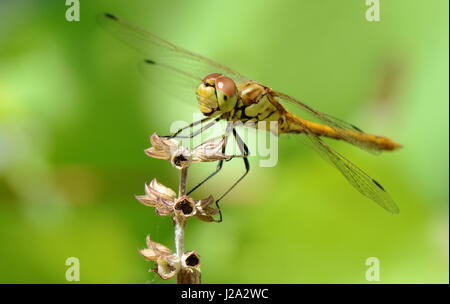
219, 165
174, 135
202, 129
244, 150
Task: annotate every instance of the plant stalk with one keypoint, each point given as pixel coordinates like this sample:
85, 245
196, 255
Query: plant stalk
185, 275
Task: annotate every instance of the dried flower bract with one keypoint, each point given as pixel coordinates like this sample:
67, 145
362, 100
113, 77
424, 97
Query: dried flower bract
159, 196
209, 151
162, 148
165, 202
204, 211
167, 263
180, 157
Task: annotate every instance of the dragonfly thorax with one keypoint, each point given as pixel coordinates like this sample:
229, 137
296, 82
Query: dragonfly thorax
217, 93
249, 101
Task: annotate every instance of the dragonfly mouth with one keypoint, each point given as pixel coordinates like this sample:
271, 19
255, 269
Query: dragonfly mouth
207, 98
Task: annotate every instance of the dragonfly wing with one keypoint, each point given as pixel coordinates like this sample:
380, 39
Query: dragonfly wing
159, 50
365, 184
341, 127
170, 80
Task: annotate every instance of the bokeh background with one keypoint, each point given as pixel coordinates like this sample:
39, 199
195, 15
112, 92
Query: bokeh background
76, 115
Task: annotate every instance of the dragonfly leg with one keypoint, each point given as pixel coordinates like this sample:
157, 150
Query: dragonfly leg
244, 150
197, 132
219, 166
174, 135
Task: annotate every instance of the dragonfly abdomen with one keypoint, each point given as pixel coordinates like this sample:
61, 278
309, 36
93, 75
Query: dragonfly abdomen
295, 124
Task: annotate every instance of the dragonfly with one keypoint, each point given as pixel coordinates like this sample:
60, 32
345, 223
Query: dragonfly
226, 95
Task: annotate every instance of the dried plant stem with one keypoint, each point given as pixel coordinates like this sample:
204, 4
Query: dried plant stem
185, 275
179, 238
180, 221
183, 181
189, 277
184, 264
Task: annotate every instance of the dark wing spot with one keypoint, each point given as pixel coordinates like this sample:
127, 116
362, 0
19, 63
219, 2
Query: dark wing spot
149, 61
379, 186
108, 15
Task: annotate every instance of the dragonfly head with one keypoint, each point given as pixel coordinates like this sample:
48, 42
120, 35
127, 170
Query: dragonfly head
217, 93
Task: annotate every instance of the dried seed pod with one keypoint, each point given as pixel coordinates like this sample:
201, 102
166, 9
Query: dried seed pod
165, 202
159, 196
167, 265
181, 158
162, 148
204, 211
190, 268
209, 151
191, 260
185, 206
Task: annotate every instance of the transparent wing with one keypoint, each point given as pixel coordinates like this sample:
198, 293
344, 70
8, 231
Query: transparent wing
347, 131
160, 51
169, 80
365, 184
186, 69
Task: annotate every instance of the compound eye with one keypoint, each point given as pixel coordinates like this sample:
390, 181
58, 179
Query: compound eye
226, 86
226, 92
211, 77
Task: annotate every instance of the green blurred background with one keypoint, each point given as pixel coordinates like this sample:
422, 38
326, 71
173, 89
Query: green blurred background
76, 115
